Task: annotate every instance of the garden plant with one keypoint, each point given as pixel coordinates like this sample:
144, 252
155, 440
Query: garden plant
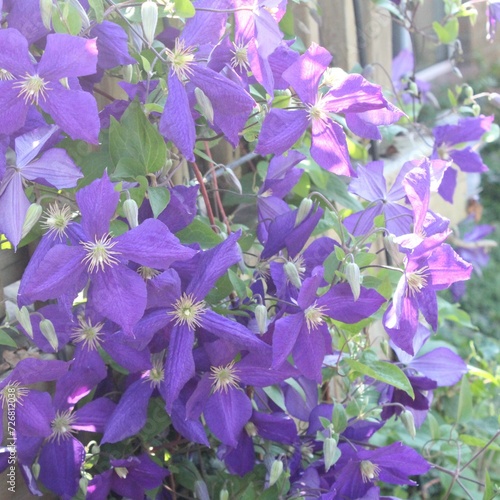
228, 295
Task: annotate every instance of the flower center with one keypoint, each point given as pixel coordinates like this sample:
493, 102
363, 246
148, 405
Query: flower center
147, 273
188, 311
32, 87
181, 59
87, 333
417, 280
5, 75
314, 316
62, 425
317, 110
157, 374
240, 58
99, 253
57, 220
224, 377
13, 393
369, 470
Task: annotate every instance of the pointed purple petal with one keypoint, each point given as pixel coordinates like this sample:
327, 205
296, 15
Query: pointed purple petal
329, 147
281, 130
34, 415
441, 365
14, 56
97, 203
13, 109
468, 160
309, 352
176, 122
130, 414
226, 413
94, 416
448, 185
75, 111
152, 244
278, 427
190, 429
112, 45
285, 336
55, 167
179, 365
304, 75
67, 56
60, 464
370, 183
119, 294
28, 145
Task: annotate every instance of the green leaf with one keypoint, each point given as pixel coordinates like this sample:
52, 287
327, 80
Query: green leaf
447, 33
478, 442
276, 396
158, 198
239, 285
184, 8
383, 371
452, 312
489, 490
339, 418
67, 20
135, 146
452, 98
464, 410
6, 339
199, 232
98, 8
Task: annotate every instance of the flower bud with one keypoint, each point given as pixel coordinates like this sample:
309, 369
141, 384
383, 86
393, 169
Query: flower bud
353, 277
23, 316
83, 483
121, 472
149, 17
32, 215
261, 317
304, 210
49, 332
131, 211
35, 468
46, 7
128, 73
476, 109
224, 494
330, 452
203, 101
409, 422
201, 490
292, 274
275, 472
95, 450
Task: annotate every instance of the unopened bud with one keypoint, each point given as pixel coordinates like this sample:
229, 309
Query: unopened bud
64, 82
413, 88
46, 7
304, 210
476, 109
149, 17
386, 348
35, 468
201, 490
468, 91
32, 215
205, 104
121, 472
251, 429
23, 316
353, 277
95, 450
49, 332
131, 211
330, 452
128, 73
292, 274
224, 494
83, 483
275, 472
261, 317
409, 422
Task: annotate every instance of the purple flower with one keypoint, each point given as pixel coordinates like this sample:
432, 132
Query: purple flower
360, 468
116, 291
24, 84
130, 477
346, 94
53, 168
371, 185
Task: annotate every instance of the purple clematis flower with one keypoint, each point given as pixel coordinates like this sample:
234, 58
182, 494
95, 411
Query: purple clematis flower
448, 137
358, 470
130, 477
53, 168
116, 291
304, 334
24, 84
347, 94
371, 185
